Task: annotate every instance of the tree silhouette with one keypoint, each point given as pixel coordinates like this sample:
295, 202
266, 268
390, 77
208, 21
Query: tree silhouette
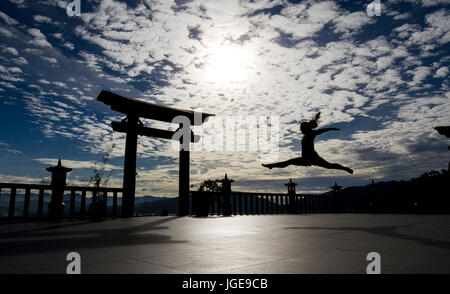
100, 178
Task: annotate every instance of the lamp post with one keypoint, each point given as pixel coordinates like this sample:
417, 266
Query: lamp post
56, 205
291, 194
226, 190
337, 197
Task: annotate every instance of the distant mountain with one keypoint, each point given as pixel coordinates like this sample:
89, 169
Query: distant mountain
156, 206
146, 199
384, 188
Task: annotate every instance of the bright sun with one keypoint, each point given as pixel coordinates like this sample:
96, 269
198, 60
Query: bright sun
227, 65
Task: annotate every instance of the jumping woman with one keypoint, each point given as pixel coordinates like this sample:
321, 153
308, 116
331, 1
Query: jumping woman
309, 155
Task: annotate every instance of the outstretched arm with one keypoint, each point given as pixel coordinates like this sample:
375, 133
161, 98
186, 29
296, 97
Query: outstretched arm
321, 131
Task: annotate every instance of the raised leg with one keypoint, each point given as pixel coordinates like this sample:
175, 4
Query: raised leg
323, 163
283, 164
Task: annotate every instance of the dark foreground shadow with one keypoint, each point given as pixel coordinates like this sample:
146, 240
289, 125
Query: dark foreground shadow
387, 231
56, 238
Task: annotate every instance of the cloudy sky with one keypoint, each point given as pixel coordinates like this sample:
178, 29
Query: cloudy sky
383, 80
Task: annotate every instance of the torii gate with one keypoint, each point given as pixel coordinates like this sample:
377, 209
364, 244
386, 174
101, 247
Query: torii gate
132, 126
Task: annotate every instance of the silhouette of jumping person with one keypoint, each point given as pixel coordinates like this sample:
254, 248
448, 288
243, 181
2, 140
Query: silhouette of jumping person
309, 155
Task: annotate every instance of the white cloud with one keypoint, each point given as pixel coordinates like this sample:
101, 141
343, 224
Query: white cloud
69, 45
39, 38
55, 3
441, 72
19, 3
23, 180
50, 59
58, 36
428, 3
42, 19
20, 60
10, 50
7, 19
6, 147
44, 81
419, 74
352, 22
5, 32
75, 164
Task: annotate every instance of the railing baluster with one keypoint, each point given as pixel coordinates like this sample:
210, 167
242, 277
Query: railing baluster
271, 204
257, 204
263, 202
83, 202
27, 188
252, 211
246, 204
105, 202
234, 204
26, 203
277, 204
240, 203
12, 203
94, 197
114, 209
72, 202
40, 202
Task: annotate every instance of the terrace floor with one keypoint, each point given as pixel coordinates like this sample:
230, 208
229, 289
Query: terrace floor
315, 243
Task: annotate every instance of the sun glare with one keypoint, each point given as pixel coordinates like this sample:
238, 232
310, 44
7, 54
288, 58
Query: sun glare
227, 65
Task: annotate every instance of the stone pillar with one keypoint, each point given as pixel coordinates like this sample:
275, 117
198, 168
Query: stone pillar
183, 182
129, 170
56, 205
292, 208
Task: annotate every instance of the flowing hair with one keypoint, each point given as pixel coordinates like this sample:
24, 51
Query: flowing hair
314, 123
